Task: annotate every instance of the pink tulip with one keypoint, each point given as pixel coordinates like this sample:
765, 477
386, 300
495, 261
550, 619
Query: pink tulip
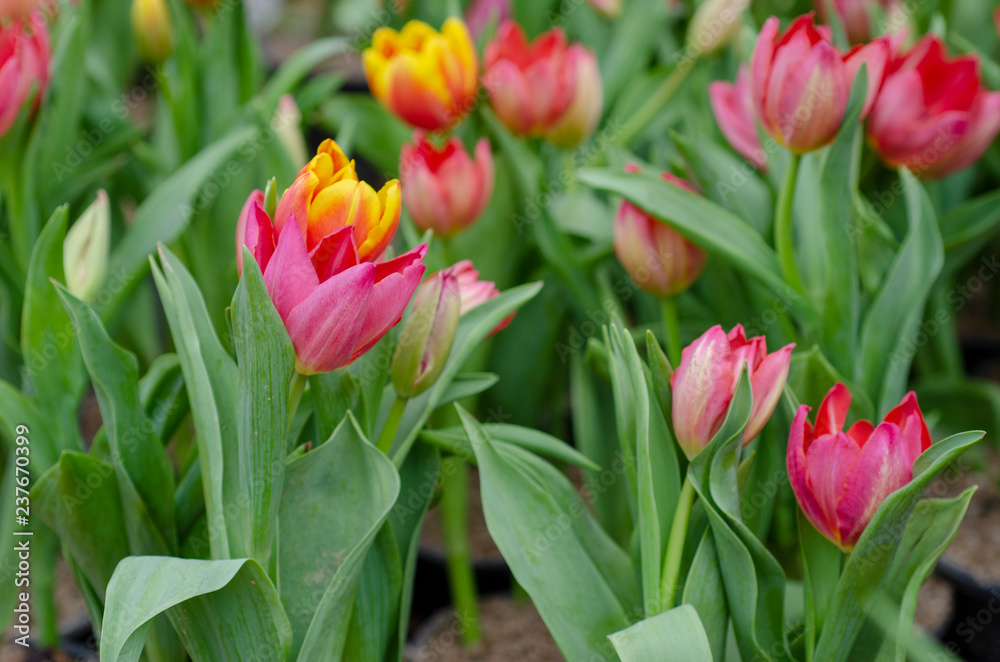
335, 300
546, 88
933, 114
475, 292
841, 478
427, 338
854, 15
800, 83
24, 67
658, 258
704, 383
480, 14
609, 8
732, 106
445, 190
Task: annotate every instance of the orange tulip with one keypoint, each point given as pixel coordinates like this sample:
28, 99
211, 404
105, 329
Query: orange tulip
426, 78
327, 196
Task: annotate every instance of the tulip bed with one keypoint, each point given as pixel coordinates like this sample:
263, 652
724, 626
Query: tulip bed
685, 283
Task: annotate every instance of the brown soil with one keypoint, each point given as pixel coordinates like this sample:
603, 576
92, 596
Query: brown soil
934, 604
481, 544
512, 631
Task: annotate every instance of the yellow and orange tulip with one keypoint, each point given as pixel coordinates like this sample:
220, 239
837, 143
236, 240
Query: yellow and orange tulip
427, 78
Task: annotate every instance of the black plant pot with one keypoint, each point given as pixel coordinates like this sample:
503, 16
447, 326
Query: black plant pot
430, 583
973, 632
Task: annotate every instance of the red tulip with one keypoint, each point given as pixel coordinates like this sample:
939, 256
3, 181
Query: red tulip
800, 83
546, 88
444, 190
841, 478
732, 106
933, 114
855, 15
658, 258
706, 379
335, 300
480, 14
24, 66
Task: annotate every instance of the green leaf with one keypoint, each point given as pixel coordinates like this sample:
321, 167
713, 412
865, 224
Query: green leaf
145, 477
163, 216
473, 328
223, 610
78, 498
705, 223
705, 591
456, 442
334, 394
581, 582
678, 631
48, 344
266, 362
210, 376
870, 560
376, 602
890, 325
633, 40
336, 498
361, 121
297, 66
466, 385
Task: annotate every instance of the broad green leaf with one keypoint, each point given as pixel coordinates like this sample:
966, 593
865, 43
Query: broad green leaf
705, 223
266, 362
890, 325
48, 344
78, 498
870, 560
224, 611
704, 590
163, 395
676, 635
145, 477
821, 562
473, 328
333, 394
336, 498
456, 442
210, 376
555, 549
372, 377
163, 216
376, 602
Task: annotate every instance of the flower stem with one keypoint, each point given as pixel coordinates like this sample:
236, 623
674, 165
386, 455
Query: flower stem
455, 525
783, 240
672, 330
675, 545
296, 388
391, 425
654, 103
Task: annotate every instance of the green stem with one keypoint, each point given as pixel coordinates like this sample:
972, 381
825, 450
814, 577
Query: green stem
675, 545
455, 526
296, 388
391, 425
783, 240
672, 330
654, 103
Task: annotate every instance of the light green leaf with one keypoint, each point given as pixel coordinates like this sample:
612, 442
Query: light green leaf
456, 442
676, 635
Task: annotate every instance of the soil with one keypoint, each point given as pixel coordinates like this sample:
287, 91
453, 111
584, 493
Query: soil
481, 544
511, 631
934, 605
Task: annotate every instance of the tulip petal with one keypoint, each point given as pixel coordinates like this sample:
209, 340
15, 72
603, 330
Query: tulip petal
332, 209
828, 461
290, 276
379, 222
760, 64
768, 383
394, 284
326, 326
875, 56
799, 435
334, 253
702, 389
861, 431
882, 467
833, 410
812, 99
910, 421
733, 110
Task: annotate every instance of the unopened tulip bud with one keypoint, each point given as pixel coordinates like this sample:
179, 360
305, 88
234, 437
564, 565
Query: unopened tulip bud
152, 30
287, 124
715, 24
85, 250
425, 344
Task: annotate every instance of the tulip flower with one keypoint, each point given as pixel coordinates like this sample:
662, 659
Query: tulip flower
14, 10
933, 115
321, 273
481, 14
546, 88
732, 106
428, 79
152, 30
706, 379
658, 258
475, 292
609, 8
445, 190
800, 83
715, 23
427, 338
841, 478
85, 249
854, 15
24, 67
